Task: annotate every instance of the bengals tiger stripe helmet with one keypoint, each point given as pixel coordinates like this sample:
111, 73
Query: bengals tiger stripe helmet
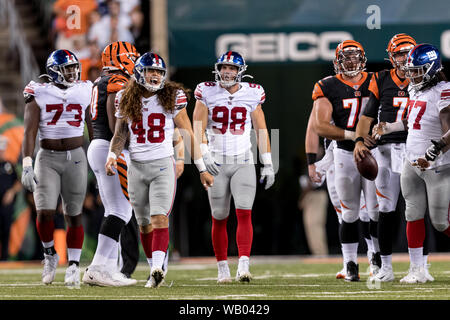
345, 51
399, 44
119, 55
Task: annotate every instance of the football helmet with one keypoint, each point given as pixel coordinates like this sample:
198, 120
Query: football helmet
63, 67
230, 58
119, 55
422, 64
144, 64
350, 58
401, 43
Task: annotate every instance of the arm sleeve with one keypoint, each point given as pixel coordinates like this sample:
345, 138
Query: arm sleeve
444, 100
117, 114
180, 101
371, 109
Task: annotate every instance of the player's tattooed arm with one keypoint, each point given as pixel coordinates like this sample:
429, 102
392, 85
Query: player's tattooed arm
120, 137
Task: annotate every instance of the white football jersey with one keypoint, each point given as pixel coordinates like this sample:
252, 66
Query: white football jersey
152, 137
424, 123
229, 121
62, 110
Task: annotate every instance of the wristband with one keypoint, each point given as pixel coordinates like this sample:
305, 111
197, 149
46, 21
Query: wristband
266, 158
204, 148
27, 162
311, 158
359, 139
200, 164
394, 127
349, 135
112, 155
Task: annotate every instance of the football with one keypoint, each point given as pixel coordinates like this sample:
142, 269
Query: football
368, 167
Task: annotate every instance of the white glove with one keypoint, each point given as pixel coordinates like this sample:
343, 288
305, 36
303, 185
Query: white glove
29, 180
211, 166
268, 174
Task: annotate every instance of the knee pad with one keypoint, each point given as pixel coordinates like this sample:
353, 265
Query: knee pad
440, 226
112, 227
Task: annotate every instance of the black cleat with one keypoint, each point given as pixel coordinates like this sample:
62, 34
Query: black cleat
352, 272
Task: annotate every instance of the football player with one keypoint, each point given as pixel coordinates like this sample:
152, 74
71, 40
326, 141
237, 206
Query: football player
149, 108
425, 178
118, 60
226, 109
388, 102
324, 170
338, 101
57, 110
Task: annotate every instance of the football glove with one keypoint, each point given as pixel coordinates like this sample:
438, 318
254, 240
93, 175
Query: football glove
29, 179
268, 174
434, 150
211, 166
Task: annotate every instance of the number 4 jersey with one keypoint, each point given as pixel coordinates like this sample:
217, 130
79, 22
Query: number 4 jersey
229, 121
62, 110
424, 123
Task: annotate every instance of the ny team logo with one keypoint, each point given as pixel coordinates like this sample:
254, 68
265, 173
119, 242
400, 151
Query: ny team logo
157, 62
432, 55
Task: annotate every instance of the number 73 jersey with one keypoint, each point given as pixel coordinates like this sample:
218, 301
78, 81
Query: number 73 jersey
229, 121
62, 110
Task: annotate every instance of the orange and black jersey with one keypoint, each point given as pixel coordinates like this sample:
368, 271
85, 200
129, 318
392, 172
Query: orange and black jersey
106, 84
388, 102
347, 99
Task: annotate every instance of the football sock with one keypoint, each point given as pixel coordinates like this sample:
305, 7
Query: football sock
415, 233
416, 256
160, 243
74, 239
385, 232
219, 238
350, 252
105, 246
386, 261
147, 240
244, 232
45, 230
373, 226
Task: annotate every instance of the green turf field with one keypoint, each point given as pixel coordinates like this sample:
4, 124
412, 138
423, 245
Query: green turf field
278, 280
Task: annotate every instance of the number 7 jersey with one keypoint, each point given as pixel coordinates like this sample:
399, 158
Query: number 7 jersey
229, 120
62, 111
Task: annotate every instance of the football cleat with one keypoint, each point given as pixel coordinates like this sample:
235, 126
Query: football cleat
243, 274
416, 274
123, 279
341, 274
427, 273
223, 272
385, 274
72, 278
352, 271
375, 263
156, 278
50, 263
99, 275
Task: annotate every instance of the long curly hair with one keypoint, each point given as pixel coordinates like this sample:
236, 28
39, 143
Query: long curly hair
131, 104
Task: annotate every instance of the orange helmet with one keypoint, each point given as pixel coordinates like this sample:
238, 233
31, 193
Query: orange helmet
343, 52
119, 55
400, 43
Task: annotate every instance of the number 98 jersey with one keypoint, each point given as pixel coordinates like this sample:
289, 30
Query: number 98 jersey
62, 111
229, 121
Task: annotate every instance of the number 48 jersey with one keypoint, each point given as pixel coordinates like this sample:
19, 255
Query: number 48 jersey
62, 110
229, 120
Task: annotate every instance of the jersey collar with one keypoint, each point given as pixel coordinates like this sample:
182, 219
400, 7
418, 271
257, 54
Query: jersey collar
354, 85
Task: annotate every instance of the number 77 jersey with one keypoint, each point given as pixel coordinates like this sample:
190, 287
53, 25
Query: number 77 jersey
229, 121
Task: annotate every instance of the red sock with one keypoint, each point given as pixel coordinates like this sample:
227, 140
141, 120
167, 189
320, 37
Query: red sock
160, 239
45, 230
415, 233
219, 238
75, 237
146, 240
244, 232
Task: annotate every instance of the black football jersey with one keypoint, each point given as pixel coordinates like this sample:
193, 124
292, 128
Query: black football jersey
103, 86
347, 99
388, 102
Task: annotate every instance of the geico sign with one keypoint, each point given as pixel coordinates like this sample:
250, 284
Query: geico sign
295, 46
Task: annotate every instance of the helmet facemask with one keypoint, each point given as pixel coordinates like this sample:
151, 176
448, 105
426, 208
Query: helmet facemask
151, 80
68, 73
418, 75
350, 61
228, 79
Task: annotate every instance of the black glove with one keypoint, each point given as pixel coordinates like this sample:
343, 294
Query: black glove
434, 150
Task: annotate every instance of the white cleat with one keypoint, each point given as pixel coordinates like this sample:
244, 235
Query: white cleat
341, 274
243, 274
156, 278
50, 264
385, 274
72, 278
427, 273
122, 279
416, 274
223, 272
100, 275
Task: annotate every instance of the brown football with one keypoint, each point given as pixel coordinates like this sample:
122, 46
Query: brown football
368, 167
